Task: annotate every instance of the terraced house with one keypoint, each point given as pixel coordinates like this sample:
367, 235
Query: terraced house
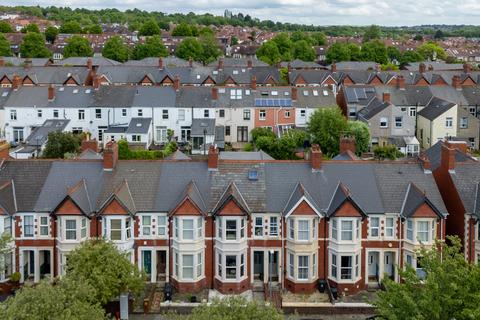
232, 222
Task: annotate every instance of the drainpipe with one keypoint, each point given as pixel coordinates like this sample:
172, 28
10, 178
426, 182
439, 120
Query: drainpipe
325, 253
214, 256
283, 253
55, 264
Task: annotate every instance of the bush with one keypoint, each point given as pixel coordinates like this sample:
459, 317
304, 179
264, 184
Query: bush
248, 147
387, 152
124, 152
15, 277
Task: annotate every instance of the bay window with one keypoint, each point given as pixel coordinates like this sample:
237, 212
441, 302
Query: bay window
175, 226
374, 227
187, 225
389, 227
231, 229
187, 266
242, 265
303, 230
83, 230
128, 228
191, 228
199, 228
357, 268
231, 266
303, 267
347, 230
199, 264
176, 264
314, 230
219, 265
7, 226
346, 267
291, 229
291, 265
334, 229
334, 266
115, 229
314, 265
258, 228
422, 231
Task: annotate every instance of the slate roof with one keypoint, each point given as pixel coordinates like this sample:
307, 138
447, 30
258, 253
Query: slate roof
231, 193
139, 126
414, 198
198, 125
466, 179
434, 154
82, 61
298, 193
7, 198
341, 195
79, 195
373, 108
435, 108
191, 192
67, 97
243, 155
40, 134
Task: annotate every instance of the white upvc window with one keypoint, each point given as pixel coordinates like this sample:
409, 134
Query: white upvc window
389, 227
188, 229
146, 225
199, 264
374, 227
357, 266
70, 229
346, 267
162, 226
333, 272
176, 271
28, 226
181, 114
175, 226
230, 229
7, 225
410, 229
262, 115
383, 122
231, 266
463, 122
187, 266
199, 228
235, 94
314, 266
291, 228
117, 228
291, 265
422, 231
334, 229
44, 226
347, 230
258, 227
13, 115
448, 122
303, 230
412, 111
303, 266
83, 229
273, 228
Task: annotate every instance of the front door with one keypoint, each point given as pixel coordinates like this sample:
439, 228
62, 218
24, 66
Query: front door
161, 265
147, 262
372, 265
389, 264
273, 265
258, 265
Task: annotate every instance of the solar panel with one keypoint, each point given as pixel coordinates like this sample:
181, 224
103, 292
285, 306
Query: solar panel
351, 96
361, 94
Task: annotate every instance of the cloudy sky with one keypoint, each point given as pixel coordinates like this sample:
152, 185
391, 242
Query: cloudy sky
318, 12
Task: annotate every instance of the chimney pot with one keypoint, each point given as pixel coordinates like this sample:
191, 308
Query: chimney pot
456, 82
51, 93
400, 82
16, 82
254, 83
176, 83
386, 97
110, 156
333, 68
422, 67
160, 63
467, 68
214, 93
4, 150
294, 93
316, 157
90, 63
213, 158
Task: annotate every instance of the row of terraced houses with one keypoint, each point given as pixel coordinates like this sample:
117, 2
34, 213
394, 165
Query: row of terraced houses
239, 219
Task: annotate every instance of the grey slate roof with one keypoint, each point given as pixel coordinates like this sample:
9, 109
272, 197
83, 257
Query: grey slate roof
199, 125
296, 195
435, 108
232, 193
40, 134
67, 97
414, 198
434, 154
139, 126
373, 108
243, 155
7, 198
193, 194
79, 195
342, 195
466, 179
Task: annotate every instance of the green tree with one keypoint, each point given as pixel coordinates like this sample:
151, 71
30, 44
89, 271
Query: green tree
303, 50
372, 33
190, 48
66, 300
354, 52
418, 37
393, 53
153, 47
101, 265
206, 31
374, 51
269, 53
234, 41
387, 152
5, 27
183, 30
338, 52
59, 143
5, 49
33, 46
299, 35
432, 51
149, 28
318, 38
71, 27
439, 35
77, 46
234, 308
116, 50
326, 125
410, 56
210, 49
94, 29
32, 27
285, 46
449, 289
51, 34
359, 130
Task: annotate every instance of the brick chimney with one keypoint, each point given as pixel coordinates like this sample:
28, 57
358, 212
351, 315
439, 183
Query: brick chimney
16, 82
249, 64
214, 93
51, 93
316, 157
333, 67
459, 145
176, 83
400, 82
4, 150
110, 156
456, 82
253, 84
2, 62
96, 82
427, 166
89, 144
294, 93
447, 158
347, 143
467, 68
386, 97
27, 63
90, 63
213, 158
289, 67
422, 68
220, 64
190, 62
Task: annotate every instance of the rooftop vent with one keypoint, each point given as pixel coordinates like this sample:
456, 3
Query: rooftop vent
253, 175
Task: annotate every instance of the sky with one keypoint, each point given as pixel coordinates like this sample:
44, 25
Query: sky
316, 12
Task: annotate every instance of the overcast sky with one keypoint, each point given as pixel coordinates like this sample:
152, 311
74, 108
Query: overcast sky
318, 12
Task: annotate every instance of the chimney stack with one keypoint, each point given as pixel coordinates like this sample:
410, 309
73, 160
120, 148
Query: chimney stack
90, 63
249, 64
220, 64
51, 93
427, 166
16, 82
459, 145
447, 158
213, 158
289, 67
2, 62
422, 67
176, 83
467, 68
456, 82
27, 63
89, 144
214, 93
333, 68
4, 150
294, 93
96, 82
386, 97
400, 82
347, 143
253, 84
110, 156
316, 157
160, 63
190, 62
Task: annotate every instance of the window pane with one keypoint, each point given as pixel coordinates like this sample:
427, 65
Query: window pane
346, 267
187, 266
231, 229
347, 230
231, 267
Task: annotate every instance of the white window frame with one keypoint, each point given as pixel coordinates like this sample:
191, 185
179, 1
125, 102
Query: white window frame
74, 229
162, 223
44, 226
303, 268
383, 122
425, 238
273, 226
303, 232
146, 226
262, 114
409, 230
258, 226
374, 231
389, 229
30, 225
449, 122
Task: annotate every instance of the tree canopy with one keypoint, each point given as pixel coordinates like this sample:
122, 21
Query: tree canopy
372, 33
304, 51
185, 30
210, 49
77, 46
33, 46
282, 148
51, 34
5, 49
153, 47
432, 51
71, 27
449, 289
269, 53
101, 265
149, 28
61, 143
190, 48
32, 27
5, 27
116, 50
